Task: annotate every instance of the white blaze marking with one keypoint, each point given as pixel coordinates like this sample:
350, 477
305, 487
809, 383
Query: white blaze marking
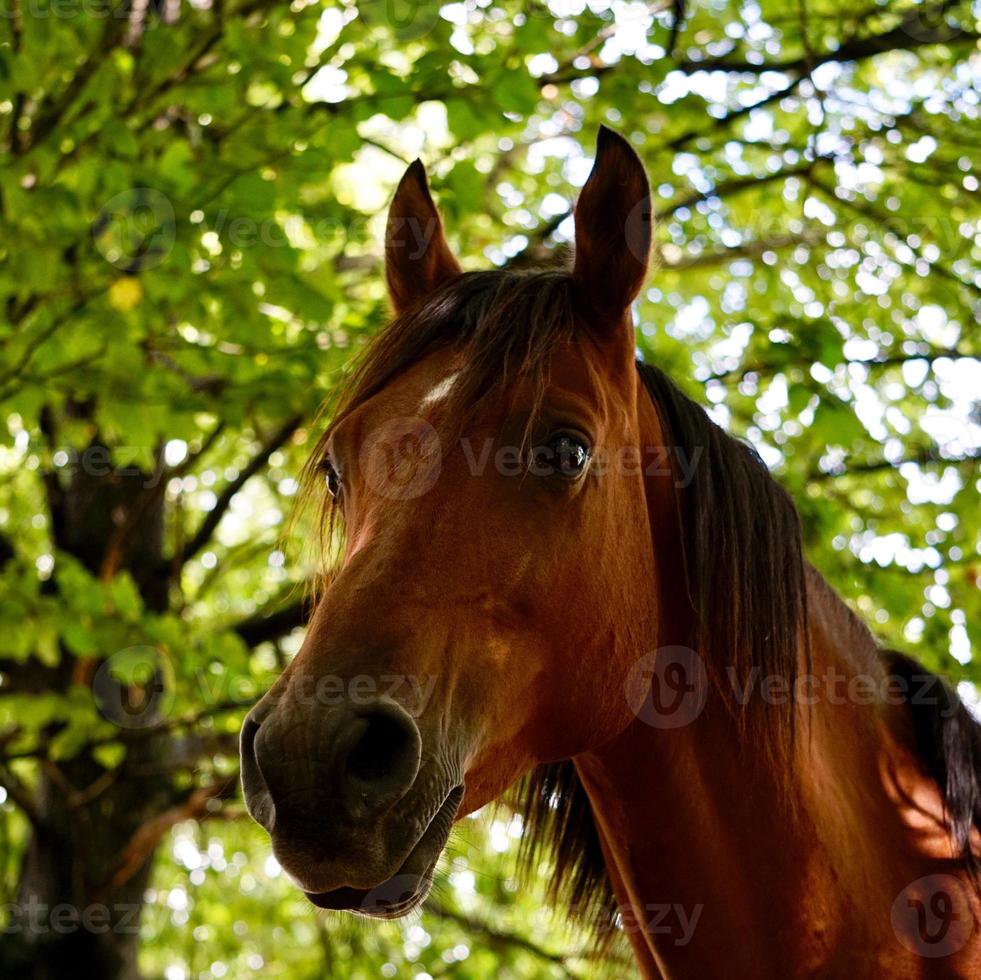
440, 391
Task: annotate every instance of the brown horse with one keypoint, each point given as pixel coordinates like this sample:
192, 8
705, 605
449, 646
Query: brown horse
559, 575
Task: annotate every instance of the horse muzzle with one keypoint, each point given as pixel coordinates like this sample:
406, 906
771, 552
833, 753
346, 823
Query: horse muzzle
355, 818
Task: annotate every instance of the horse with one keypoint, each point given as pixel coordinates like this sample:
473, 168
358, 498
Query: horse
562, 584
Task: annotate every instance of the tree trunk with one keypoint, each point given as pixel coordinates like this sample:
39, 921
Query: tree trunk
85, 870
67, 922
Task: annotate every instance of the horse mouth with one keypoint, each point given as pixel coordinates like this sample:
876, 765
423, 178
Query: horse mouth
408, 887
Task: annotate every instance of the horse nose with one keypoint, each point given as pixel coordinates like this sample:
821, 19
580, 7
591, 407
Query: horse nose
258, 799
357, 760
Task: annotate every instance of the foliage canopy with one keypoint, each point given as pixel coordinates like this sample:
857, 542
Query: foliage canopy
190, 241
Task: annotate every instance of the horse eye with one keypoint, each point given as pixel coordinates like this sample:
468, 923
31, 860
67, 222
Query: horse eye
565, 454
331, 478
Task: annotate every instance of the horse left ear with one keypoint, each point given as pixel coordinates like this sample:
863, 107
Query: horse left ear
613, 228
417, 258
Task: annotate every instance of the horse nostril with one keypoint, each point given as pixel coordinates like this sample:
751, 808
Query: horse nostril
254, 789
382, 764
376, 752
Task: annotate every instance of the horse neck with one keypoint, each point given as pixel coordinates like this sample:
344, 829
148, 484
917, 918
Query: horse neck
722, 862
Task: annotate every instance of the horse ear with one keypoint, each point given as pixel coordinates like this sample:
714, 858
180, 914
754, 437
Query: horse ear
417, 258
613, 228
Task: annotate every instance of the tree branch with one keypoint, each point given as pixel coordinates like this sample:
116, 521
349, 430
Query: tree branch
271, 626
733, 186
258, 462
911, 33
887, 220
497, 937
679, 141
114, 548
144, 842
925, 457
677, 25
140, 734
746, 250
53, 110
889, 360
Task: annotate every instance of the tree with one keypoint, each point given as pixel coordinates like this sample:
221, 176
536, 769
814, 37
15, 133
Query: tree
189, 258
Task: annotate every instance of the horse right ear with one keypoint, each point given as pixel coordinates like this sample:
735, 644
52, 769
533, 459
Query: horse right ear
417, 258
613, 229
